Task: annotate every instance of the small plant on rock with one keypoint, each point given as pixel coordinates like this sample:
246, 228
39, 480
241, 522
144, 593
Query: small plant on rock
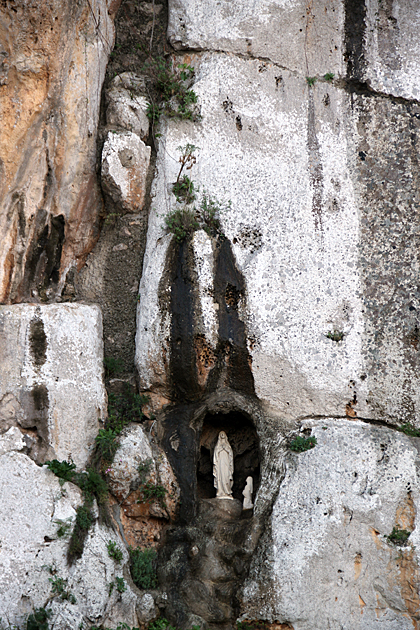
398, 536
38, 620
65, 471
335, 335
121, 587
409, 429
64, 527
152, 492
143, 570
209, 213
144, 468
60, 589
106, 442
329, 76
299, 444
311, 81
114, 551
181, 222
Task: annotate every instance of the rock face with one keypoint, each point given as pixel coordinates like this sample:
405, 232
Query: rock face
53, 60
323, 191
33, 555
284, 303
296, 307
51, 378
141, 468
327, 560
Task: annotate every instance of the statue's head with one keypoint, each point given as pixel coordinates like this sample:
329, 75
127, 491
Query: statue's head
222, 435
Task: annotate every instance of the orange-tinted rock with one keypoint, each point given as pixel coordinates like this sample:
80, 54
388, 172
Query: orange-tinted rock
54, 56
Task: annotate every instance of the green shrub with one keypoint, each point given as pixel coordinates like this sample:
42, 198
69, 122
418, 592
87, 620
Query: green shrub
329, 76
107, 444
311, 81
93, 485
299, 444
63, 470
38, 620
153, 113
114, 552
181, 222
64, 527
121, 587
124, 409
184, 190
335, 335
152, 492
143, 469
175, 96
398, 536
143, 570
409, 429
59, 588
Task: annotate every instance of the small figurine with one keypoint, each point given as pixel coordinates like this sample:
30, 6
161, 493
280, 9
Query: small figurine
248, 505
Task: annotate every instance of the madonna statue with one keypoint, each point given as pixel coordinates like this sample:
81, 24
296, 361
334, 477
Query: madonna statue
223, 467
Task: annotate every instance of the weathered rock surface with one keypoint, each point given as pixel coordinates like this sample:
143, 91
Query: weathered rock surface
53, 59
325, 560
311, 41
51, 378
32, 502
127, 104
140, 462
312, 175
125, 161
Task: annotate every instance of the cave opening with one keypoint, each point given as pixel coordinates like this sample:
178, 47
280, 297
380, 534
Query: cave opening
243, 439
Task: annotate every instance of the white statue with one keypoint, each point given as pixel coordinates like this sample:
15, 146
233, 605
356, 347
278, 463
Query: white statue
248, 505
223, 467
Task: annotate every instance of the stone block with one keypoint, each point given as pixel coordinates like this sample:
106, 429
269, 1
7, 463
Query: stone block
51, 383
125, 161
303, 38
336, 506
127, 105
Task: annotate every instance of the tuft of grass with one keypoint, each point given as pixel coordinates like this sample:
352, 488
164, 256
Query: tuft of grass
311, 81
143, 567
409, 429
335, 335
299, 444
398, 536
114, 551
329, 76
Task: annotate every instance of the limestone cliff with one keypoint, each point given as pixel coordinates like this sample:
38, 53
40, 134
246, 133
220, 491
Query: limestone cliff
239, 209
